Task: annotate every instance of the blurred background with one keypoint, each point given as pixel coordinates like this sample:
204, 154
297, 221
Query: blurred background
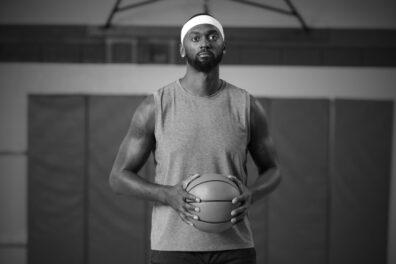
73, 72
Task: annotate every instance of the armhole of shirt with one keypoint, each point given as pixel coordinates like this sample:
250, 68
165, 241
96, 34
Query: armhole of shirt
157, 106
248, 108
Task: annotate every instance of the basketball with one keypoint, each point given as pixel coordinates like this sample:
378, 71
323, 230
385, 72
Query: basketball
216, 192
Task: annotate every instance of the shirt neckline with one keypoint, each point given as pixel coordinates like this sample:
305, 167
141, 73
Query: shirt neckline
221, 88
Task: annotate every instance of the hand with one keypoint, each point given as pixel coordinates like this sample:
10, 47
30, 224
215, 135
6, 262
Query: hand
243, 200
180, 200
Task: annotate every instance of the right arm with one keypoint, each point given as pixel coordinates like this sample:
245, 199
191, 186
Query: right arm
133, 153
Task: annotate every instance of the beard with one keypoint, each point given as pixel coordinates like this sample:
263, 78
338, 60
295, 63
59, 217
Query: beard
204, 64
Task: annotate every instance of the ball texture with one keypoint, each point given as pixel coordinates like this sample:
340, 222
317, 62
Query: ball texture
216, 192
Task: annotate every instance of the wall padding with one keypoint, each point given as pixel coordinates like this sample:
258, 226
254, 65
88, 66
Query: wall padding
298, 208
331, 206
56, 182
360, 181
117, 224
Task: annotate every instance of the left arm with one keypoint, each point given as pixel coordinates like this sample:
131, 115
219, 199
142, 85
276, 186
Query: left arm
263, 153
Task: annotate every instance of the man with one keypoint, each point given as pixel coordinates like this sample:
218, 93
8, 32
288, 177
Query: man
198, 124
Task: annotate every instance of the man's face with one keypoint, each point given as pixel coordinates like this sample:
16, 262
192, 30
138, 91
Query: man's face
203, 47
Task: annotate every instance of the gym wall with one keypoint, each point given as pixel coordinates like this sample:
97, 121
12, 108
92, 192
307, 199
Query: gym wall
352, 46
332, 206
337, 100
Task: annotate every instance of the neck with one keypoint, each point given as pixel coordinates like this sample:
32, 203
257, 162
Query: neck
200, 83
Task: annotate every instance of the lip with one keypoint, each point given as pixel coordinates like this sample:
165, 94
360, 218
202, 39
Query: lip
205, 54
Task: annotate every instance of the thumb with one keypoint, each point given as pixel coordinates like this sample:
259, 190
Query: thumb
239, 184
190, 198
189, 179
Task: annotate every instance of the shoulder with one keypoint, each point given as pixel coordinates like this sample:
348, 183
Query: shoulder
144, 116
168, 89
235, 89
256, 107
258, 115
165, 95
146, 111
147, 106
237, 95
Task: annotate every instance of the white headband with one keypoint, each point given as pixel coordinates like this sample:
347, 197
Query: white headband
199, 20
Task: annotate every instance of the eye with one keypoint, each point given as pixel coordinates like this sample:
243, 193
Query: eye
213, 37
195, 38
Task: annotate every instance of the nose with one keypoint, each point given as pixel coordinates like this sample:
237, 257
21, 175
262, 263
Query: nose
204, 44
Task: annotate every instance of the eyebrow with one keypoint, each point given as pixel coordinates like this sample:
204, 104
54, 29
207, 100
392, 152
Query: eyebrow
211, 31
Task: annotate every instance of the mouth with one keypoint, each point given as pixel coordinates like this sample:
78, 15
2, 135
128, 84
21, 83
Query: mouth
205, 54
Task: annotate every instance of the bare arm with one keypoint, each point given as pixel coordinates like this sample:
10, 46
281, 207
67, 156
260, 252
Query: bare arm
263, 153
133, 153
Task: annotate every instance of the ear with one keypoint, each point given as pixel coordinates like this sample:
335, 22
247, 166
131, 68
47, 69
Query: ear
224, 48
182, 50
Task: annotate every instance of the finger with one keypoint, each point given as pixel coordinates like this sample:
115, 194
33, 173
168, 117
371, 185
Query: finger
196, 175
189, 179
185, 220
239, 199
189, 216
232, 178
239, 211
190, 198
237, 219
191, 208
239, 184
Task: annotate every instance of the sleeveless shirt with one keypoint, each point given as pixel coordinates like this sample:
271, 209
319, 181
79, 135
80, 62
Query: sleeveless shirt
197, 134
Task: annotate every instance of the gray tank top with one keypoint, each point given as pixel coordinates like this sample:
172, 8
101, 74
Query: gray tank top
197, 134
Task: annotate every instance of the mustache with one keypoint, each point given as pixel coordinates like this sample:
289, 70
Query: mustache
205, 51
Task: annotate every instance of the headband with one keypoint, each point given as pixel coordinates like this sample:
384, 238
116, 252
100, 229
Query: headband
199, 20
